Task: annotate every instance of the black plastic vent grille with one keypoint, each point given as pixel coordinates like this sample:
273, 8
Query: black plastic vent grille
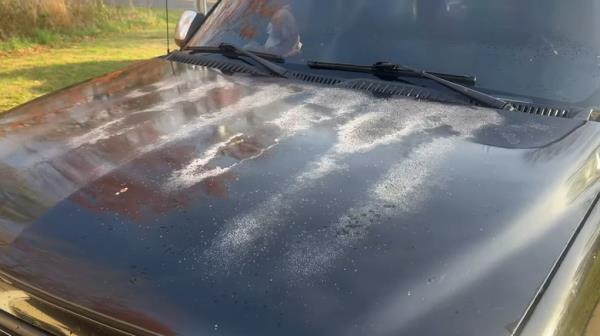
383, 89
389, 89
541, 110
211, 63
315, 78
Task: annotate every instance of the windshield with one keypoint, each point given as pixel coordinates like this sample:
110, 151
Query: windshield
548, 49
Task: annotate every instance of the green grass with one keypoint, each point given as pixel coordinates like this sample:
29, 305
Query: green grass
33, 68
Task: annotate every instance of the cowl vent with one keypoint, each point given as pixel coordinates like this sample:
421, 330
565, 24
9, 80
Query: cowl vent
541, 110
378, 88
224, 66
314, 78
387, 89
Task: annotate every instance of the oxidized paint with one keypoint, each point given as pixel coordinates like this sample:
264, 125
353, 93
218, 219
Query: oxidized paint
185, 201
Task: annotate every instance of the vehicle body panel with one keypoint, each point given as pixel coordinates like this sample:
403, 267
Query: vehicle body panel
186, 201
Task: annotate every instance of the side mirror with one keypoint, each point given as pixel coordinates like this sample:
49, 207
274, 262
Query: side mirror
188, 23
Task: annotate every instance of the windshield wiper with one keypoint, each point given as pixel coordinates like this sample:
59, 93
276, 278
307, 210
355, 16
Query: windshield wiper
386, 69
262, 59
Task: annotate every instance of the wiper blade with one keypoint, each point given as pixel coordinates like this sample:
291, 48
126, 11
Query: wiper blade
265, 60
396, 70
466, 80
218, 50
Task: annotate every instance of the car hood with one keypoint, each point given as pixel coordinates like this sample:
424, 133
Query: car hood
187, 201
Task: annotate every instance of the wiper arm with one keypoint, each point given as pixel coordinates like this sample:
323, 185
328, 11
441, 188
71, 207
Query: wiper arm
466, 80
478, 96
218, 50
263, 59
397, 70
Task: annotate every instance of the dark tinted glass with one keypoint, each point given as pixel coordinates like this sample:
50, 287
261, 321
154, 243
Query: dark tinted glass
527, 48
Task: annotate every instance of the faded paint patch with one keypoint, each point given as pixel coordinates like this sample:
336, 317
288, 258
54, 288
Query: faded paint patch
197, 170
401, 189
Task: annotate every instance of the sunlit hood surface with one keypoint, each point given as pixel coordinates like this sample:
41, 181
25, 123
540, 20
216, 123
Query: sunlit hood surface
192, 202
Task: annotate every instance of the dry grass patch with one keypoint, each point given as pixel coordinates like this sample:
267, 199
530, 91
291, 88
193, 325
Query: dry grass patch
29, 24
